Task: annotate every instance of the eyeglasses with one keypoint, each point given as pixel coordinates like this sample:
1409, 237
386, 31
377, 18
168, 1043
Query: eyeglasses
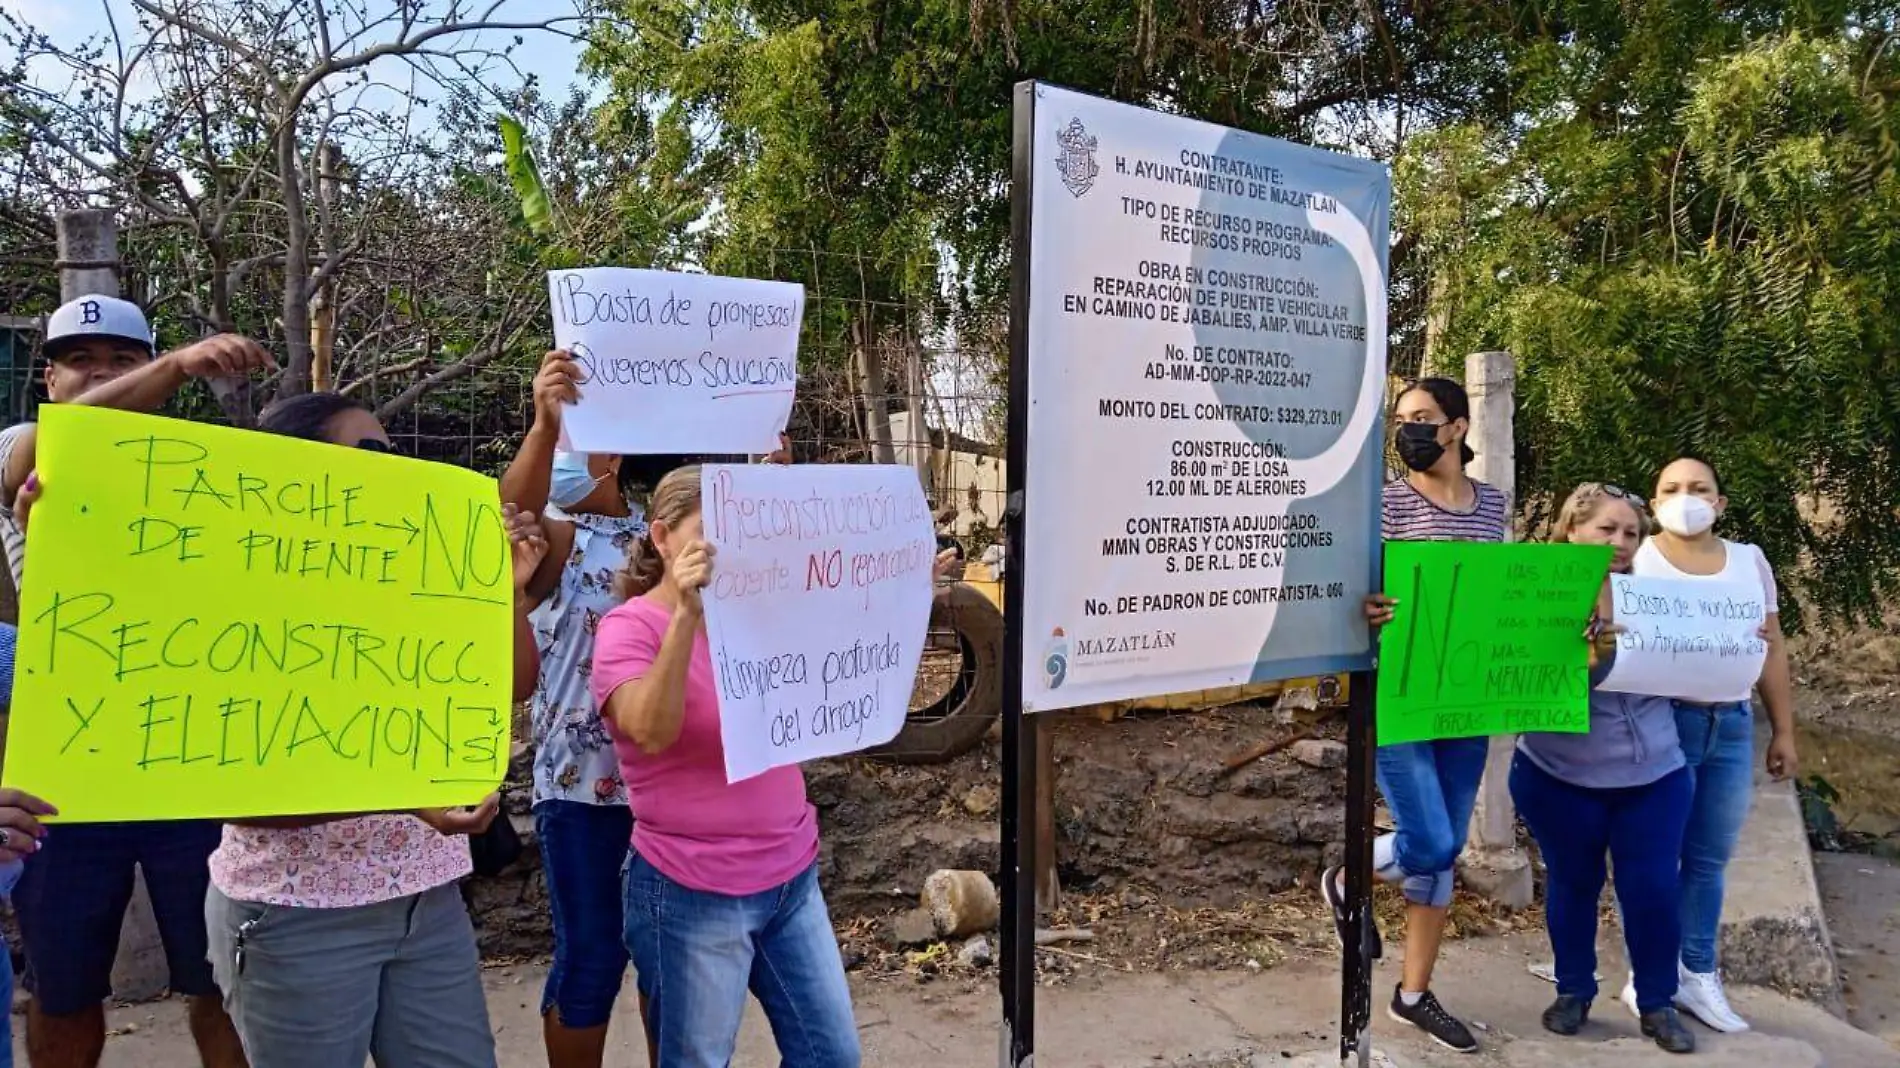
372, 445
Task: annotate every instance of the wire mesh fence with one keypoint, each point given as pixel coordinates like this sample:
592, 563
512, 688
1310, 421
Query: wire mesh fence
892, 373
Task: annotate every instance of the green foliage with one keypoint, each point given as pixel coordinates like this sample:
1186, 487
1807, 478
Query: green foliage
878, 131
1701, 264
518, 161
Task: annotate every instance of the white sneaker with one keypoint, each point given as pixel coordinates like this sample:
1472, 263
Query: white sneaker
1628, 996
1700, 995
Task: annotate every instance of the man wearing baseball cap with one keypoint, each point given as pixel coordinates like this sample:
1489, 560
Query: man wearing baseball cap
99, 350
71, 899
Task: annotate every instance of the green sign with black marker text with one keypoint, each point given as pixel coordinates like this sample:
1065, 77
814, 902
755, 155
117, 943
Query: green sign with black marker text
1486, 639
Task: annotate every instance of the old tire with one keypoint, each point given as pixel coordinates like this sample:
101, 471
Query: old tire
957, 721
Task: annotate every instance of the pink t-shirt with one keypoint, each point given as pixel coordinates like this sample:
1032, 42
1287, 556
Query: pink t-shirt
698, 830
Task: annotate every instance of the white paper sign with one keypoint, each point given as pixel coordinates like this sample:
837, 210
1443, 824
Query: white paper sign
1689, 638
818, 607
677, 362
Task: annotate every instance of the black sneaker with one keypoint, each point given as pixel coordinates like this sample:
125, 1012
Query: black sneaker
1330, 889
1430, 1017
1666, 1028
1566, 1015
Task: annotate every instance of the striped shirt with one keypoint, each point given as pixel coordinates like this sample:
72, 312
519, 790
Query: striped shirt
12, 537
9, 647
1408, 516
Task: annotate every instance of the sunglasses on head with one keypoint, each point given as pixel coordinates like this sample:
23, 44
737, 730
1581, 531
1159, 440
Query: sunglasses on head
1611, 489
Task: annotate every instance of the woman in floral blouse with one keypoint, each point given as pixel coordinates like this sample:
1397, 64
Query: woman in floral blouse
581, 817
340, 938
588, 505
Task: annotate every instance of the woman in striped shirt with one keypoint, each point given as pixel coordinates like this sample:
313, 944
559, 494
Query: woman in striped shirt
1430, 787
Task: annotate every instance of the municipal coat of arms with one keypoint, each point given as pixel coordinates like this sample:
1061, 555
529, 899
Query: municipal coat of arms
1076, 164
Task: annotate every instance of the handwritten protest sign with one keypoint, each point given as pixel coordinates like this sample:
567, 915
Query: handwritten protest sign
677, 362
818, 607
1486, 639
218, 623
1690, 638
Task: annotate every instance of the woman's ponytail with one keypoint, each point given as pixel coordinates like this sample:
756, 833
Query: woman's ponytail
674, 501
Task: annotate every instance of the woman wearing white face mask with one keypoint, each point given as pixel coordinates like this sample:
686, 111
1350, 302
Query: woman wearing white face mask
1717, 739
580, 804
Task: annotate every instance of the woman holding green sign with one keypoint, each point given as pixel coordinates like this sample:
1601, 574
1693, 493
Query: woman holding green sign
337, 939
1430, 787
1617, 796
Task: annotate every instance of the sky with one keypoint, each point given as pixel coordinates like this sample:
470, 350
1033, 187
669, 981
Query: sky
553, 59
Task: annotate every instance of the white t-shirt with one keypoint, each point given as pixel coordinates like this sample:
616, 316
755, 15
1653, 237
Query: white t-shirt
1743, 564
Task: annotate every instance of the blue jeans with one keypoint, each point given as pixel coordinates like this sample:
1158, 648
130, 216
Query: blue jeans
9, 876
1639, 828
1719, 742
583, 849
696, 954
1430, 787
6, 1002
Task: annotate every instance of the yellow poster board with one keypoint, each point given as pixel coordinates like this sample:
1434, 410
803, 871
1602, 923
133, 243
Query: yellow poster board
223, 623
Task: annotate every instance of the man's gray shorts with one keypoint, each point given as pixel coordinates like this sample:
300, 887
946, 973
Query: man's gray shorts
329, 988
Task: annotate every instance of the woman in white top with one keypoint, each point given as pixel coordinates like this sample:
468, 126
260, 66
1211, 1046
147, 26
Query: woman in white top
1717, 739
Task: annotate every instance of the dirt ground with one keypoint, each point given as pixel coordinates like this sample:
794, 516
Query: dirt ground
1210, 945
1107, 1018
1173, 863
1847, 706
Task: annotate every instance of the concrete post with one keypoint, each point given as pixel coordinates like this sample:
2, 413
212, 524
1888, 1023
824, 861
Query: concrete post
1492, 863
88, 253
89, 264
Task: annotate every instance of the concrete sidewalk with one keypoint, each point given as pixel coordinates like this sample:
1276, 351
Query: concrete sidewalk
1774, 927
1207, 1020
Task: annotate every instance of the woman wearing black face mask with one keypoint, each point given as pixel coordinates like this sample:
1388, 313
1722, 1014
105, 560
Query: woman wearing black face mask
1430, 787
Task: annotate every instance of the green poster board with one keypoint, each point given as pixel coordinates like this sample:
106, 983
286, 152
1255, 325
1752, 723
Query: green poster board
1486, 639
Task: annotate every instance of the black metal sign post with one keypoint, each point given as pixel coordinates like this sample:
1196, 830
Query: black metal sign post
1019, 843
1355, 987
1018, 957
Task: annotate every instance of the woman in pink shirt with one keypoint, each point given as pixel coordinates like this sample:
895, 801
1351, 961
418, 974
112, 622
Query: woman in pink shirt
722, 888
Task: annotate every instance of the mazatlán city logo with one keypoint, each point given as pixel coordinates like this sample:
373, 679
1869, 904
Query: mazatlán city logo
1077, 162
1055, 661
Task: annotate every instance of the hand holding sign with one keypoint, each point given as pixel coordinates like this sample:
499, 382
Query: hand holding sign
527, 542
20, 830
556, 385
691, 573
670, 362
453, 821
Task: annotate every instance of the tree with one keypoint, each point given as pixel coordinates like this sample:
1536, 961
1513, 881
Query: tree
268, 154
878, 133
1701, 264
